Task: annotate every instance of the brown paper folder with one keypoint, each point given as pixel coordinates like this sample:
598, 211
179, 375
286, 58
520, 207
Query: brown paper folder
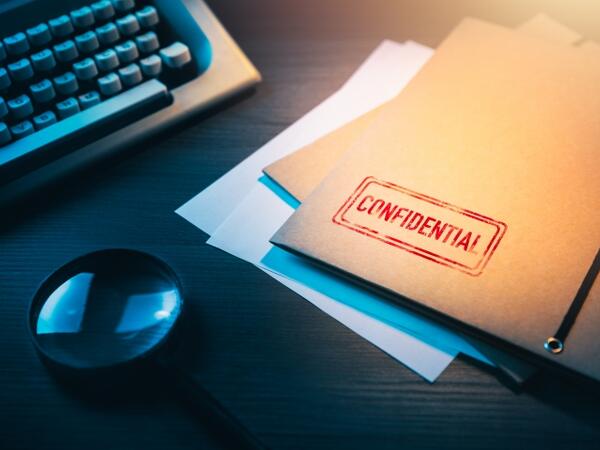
475, 196
300, 172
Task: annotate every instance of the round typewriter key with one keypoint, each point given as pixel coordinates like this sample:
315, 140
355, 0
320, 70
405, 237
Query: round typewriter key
130, 75
22, 129
83, 17
89, 99
43, 61
21, 70
127, 52
66, 83
107, 60
44, 120
67, 108
128, 25
20, 107
87, 42
16, 44
39, 35
61, 26
103, 10
43, 91
108, 33
147, 16
66, 51
86, 69
176, 55
151, 66
147, 42
110, 84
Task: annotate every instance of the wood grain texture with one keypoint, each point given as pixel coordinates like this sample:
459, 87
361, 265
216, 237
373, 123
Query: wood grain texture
294, 376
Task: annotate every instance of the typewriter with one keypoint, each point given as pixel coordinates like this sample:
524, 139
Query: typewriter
81, 81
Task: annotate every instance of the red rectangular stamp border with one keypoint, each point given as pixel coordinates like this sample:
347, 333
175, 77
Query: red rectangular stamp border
501, 227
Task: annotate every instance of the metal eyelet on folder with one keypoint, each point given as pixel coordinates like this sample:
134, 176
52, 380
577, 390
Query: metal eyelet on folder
553, 345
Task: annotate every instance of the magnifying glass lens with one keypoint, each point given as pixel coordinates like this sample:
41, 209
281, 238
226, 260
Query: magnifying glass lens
114, 307
106, 309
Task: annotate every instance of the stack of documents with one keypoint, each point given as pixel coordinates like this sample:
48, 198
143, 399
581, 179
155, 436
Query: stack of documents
307, 164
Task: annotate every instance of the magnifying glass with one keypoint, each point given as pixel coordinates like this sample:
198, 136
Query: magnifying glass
107, 314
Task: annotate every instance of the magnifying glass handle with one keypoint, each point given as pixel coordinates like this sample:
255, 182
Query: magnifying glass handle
226, 423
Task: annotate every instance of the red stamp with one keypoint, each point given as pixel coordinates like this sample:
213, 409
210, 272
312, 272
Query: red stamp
422, 225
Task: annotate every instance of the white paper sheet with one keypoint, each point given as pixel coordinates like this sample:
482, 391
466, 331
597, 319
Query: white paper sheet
246, 233
252, 244
378, 79
427, 361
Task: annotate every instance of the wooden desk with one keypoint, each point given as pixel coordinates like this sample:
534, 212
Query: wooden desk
294, 376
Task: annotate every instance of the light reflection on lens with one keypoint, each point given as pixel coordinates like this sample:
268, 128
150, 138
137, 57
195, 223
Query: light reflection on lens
107, 312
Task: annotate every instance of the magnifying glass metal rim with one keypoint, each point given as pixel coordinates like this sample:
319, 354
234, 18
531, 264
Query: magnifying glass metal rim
52, 281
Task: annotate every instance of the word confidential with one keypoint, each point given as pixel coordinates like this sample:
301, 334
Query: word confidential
422, 225
425, 225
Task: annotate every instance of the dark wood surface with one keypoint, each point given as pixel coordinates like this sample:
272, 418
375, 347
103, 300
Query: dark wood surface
295, 377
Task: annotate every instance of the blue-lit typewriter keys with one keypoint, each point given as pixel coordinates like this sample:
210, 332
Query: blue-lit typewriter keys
83, 17
43, 92
61, 26
127, 52
147, 17
20, 107
130, 75
43, 61
151, 65
21, 70
44, 120
67, 108
148, 42
110, 84
103, 10
66, 51
128, 25
81, 59
16, 44
107, 60
108, 34
86, 69
89, 99
176, 55
66, 84
22, 129
39, 35
87, 42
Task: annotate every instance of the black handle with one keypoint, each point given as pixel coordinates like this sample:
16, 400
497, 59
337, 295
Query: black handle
212, 412
555, 344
